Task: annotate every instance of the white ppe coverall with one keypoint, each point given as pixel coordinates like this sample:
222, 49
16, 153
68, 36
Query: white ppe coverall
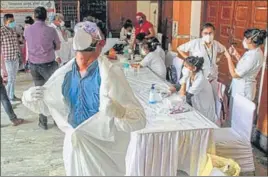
98, 145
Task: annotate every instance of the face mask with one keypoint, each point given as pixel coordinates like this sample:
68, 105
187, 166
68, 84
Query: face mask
245, 44
12, 25
129, 33
62, 23
208, 38
140, 21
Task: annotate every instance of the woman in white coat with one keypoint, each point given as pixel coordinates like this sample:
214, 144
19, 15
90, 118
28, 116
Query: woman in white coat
93, 104
197, 89
245, 72
152, 59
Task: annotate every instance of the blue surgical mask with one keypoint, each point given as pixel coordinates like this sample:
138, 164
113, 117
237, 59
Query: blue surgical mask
12, 25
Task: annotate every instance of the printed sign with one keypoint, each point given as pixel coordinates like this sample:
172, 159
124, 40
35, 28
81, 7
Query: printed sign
21, 9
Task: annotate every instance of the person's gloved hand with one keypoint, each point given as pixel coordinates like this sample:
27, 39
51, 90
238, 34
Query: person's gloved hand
34, 93
112, 108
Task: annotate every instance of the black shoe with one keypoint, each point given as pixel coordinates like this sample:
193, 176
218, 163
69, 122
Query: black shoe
43, 125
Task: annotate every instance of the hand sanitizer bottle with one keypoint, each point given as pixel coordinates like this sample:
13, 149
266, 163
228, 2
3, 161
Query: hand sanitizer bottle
152, 95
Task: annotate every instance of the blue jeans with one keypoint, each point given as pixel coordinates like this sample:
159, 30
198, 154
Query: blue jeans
12, 67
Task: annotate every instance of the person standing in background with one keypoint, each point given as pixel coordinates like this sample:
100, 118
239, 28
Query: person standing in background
7, 105
208, 48
10, 53
28, 22
62, 55
42, 41
144, 26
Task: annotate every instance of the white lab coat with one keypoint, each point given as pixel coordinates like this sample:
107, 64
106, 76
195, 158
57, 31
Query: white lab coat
98, 146
65, 49
247, 68
196, 47
161, 53
153, 61
202, 99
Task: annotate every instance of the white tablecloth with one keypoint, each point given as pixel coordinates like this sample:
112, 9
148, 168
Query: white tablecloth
168, 143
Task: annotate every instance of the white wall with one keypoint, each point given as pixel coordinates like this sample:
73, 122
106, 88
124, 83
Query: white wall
144, 7
195, 18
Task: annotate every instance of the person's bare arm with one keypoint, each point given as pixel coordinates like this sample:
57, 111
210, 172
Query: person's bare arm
182, 91
231, 65
183, 54
152, 33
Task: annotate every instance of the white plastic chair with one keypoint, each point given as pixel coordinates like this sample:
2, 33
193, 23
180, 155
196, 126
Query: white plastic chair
169, 58
235, 142
178, 63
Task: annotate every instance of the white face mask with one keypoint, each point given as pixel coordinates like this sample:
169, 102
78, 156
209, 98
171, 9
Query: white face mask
129, 33
245, 44
62, 23
208, 38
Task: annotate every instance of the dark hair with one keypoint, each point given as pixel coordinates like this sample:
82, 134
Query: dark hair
195, 61
8, 16
128, 25
140, 36
29, 20
257, 36
150, 45
40, 13
208, 25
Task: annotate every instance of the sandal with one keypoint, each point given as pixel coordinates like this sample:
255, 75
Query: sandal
17, 121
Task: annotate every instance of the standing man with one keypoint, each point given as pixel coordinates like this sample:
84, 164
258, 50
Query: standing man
64, 54
42, 41
93, 104
10, 53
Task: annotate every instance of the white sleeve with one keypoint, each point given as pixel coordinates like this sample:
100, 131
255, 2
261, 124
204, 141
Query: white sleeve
220, 48
38, 106
197, 85
186, 47
122, 34
146, 61
134, 118
245, 66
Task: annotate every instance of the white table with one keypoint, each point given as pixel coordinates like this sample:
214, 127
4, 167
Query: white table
168, 143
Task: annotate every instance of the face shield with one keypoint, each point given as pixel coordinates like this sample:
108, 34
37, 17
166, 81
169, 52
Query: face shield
87, 37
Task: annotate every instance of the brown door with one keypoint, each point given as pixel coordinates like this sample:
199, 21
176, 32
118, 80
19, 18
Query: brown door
118, 12
165, 24
231, 19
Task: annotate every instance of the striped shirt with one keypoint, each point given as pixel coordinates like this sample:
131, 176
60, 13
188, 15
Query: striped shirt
10, 49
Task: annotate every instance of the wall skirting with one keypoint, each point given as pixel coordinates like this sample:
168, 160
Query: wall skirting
259, 140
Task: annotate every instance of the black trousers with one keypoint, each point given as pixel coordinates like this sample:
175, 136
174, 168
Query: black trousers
5, 101
40, 74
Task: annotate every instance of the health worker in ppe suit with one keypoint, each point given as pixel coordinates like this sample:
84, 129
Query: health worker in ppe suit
208, 48
92, 102
64, 54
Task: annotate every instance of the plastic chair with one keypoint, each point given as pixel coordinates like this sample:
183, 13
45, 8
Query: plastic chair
178, 63
169, 58
235, 142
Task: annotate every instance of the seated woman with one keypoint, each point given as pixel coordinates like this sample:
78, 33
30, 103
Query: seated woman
127, 32
197, 88
140, 38
152, 59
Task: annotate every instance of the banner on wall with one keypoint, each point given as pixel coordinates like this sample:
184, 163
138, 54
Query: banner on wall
21, 9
